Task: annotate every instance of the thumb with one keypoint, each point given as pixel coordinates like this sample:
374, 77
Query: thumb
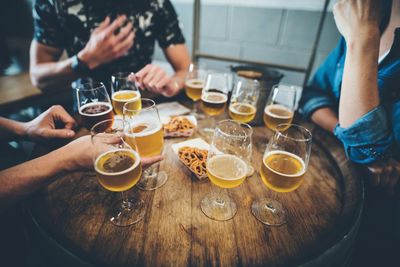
58, 133
147, 162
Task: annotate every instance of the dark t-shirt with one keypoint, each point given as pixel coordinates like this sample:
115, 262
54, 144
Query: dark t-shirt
67, 24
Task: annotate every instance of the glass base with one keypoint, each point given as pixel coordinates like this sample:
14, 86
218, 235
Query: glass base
269, 212
218, 207
128, 212
152, 182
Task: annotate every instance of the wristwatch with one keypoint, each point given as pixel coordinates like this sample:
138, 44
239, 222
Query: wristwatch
78, 66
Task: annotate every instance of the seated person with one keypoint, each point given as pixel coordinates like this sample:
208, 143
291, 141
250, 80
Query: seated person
355, 93
103, 37
21, 180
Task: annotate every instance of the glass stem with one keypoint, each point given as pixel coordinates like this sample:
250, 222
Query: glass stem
194, 110
125, 201
219, 200
152, 170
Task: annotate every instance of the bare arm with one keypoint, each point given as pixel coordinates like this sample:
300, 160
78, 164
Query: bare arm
104, 46
46, 71
326, 118
357, 20
19, 181
156, 80
179, 58
42, 127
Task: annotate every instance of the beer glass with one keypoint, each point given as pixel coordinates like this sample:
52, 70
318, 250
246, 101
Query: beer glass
280, 106
283, 167
147, 132
123, 89
214, 97
194, 83
227, 166
243, 104
94, 104
118, 168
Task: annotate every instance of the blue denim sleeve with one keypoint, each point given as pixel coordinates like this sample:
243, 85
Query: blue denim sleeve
367, 140
318, 93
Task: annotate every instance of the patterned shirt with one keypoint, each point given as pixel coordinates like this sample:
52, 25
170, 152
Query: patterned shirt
67, 24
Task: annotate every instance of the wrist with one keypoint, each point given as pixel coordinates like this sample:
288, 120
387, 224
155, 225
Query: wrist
21, 129
368, 36
68, 161
87, 59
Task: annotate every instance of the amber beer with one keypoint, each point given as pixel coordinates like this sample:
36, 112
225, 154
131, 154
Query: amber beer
213, 103
118, 170
95, 112
282, 171
242, 112
276, 114
149, 137
226, 171
119, 98
193, 89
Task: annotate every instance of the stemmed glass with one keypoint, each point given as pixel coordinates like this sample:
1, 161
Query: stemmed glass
243, 104
147, 132
280, 106
94, 104
194, 83
227, 167
118, 169
214, 97
123, 89
284, 165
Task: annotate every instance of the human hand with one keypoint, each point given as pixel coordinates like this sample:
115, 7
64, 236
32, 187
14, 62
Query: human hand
79, 154
156, 80
385, 175
357, 18
44, 126
109, 41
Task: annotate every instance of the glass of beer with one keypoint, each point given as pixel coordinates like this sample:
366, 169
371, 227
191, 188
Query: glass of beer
243, 104
227, 166
123, 89
214, 97
194, 83
280, 106
94, 104
147, 133
118, 169
283, 167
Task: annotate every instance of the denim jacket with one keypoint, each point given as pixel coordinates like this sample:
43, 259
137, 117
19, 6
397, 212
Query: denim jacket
376, 135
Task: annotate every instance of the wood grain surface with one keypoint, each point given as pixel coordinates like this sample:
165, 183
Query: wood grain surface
175, 232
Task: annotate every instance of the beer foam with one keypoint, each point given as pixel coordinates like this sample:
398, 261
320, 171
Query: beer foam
151, 128
135, 155
237, 162
195, 83
268, 108
136, 97
94, 104
234, 108
289, 154
205, 97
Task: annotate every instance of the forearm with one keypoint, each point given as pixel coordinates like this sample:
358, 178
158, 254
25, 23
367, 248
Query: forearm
10, 129
359, 92
19, 181
326, 118
51, 75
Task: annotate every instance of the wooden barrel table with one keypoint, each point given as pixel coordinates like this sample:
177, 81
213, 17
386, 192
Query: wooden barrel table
70, 226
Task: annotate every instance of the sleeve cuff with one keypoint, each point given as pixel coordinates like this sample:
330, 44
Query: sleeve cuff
368, 139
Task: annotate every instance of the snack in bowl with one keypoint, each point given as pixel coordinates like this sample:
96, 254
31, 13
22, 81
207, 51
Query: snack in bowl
195, 159
179, 126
